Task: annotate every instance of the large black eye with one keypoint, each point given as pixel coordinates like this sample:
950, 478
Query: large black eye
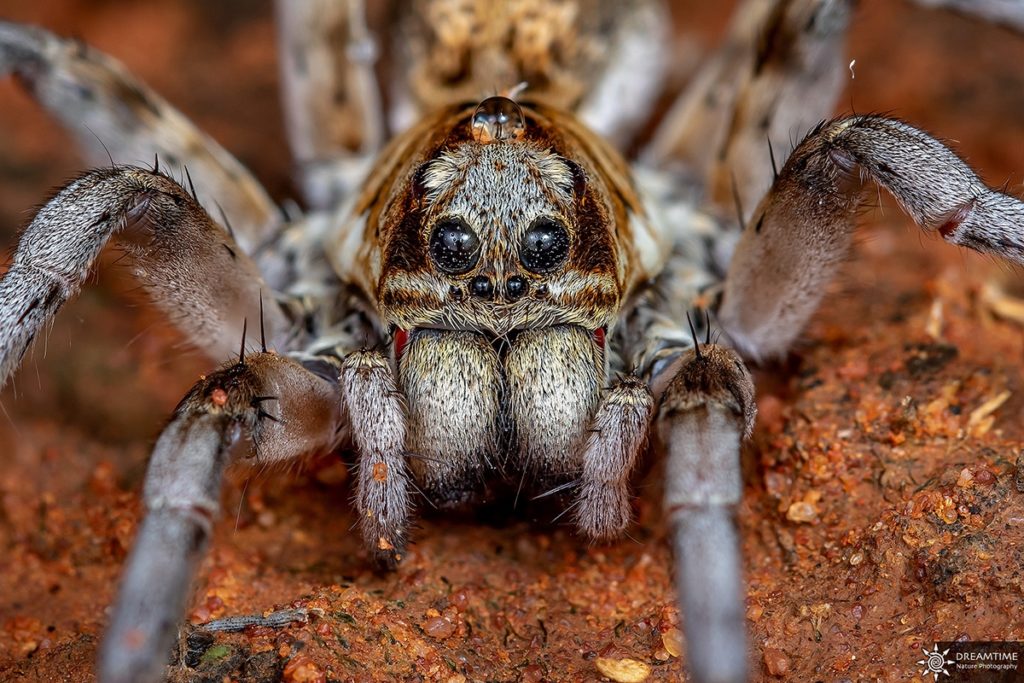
545, 246
454, 246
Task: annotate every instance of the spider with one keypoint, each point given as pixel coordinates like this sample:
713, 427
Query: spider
492, 304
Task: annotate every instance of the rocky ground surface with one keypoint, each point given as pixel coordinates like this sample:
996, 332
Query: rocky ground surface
883, 507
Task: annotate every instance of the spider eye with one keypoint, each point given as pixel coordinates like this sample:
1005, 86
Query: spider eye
544, 246
454, 246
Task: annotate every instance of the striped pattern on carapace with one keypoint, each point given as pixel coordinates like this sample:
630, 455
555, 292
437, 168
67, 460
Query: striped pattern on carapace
557, 168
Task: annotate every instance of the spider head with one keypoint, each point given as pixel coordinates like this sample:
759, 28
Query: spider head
502, 217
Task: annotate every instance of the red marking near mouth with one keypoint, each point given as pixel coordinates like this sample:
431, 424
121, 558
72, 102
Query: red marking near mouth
401, 339
598, 335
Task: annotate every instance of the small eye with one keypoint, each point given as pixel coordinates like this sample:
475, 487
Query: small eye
545, 246
454, 246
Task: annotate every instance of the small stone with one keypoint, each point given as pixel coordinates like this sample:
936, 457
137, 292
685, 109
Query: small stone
856, 558
672, 639
945, 510
623, 670
532, 674
984, 476
776, 483
439, 628
802, 512
302, 669
459, 599
776, 662
965, 479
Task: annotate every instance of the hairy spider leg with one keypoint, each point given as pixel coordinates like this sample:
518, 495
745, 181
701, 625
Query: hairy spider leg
706, 412
778, 72
286, 412
194, 270
115, 117
703, 409
332, 100
803, 227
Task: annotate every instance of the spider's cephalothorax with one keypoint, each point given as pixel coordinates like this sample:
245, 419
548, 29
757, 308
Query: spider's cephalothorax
495, 299
472, 228
499, 242
499, 246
